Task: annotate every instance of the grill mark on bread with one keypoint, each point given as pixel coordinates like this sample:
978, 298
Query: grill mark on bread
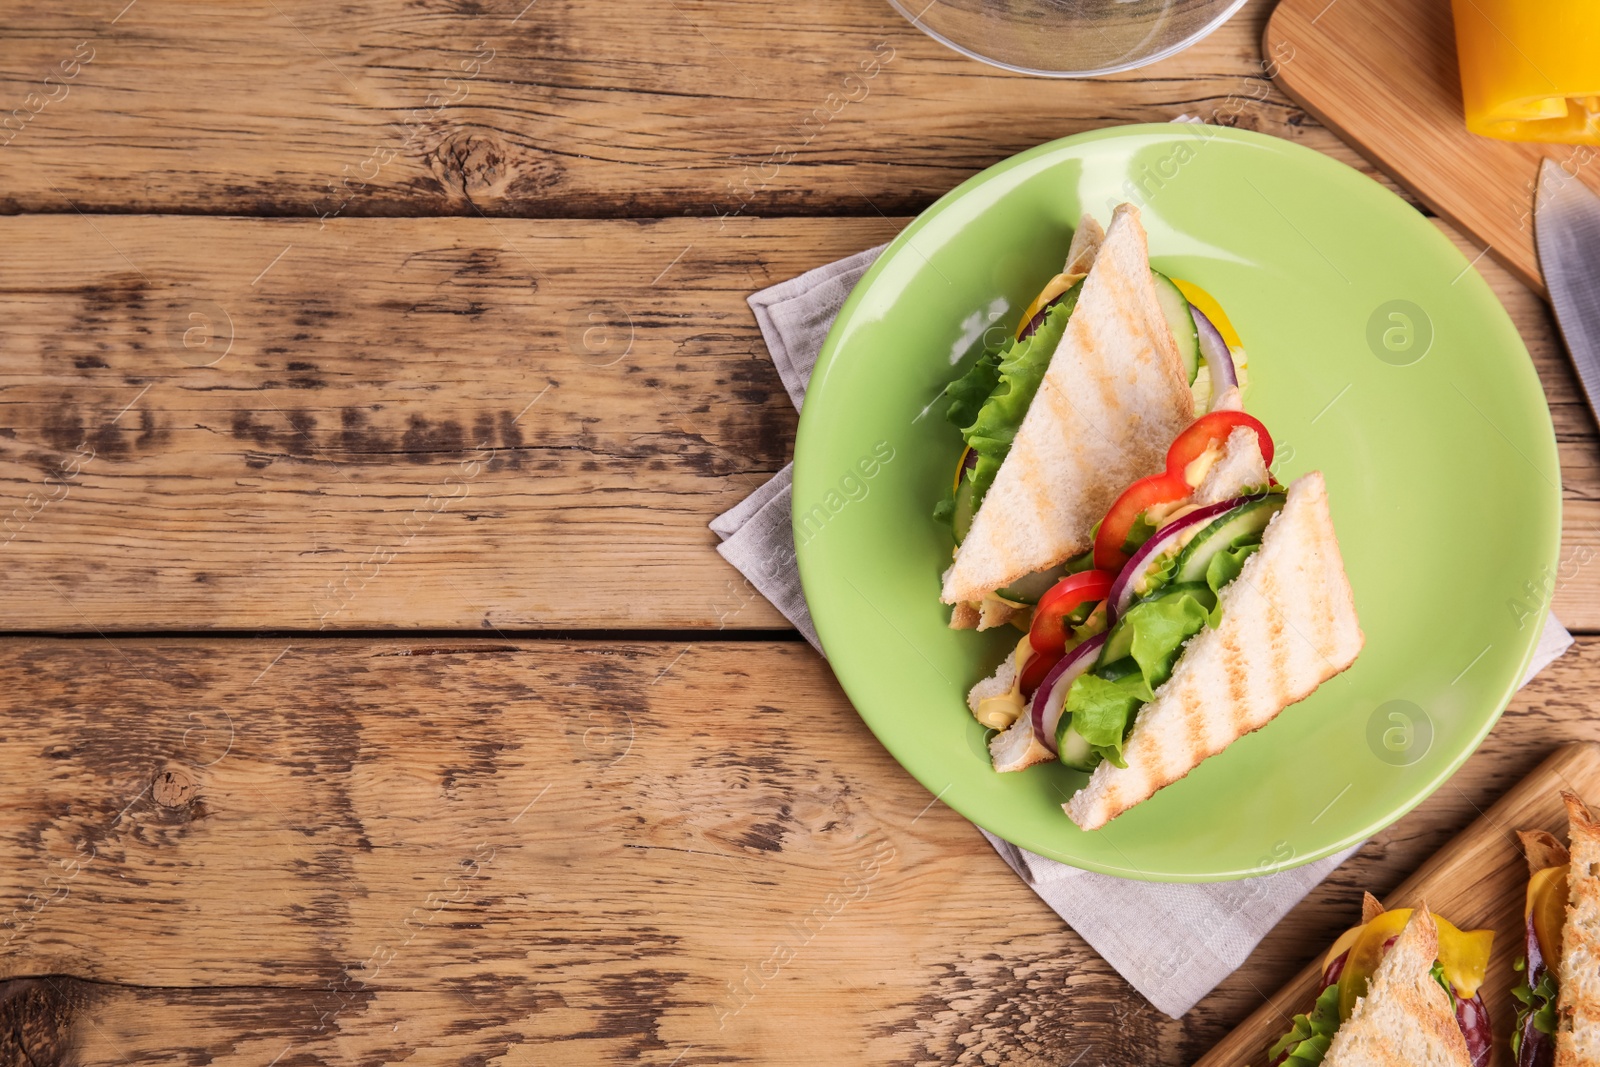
1238, 690
1194, 735
1281, 658
1279, 654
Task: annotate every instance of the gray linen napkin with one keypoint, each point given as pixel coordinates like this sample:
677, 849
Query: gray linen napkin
1172, 942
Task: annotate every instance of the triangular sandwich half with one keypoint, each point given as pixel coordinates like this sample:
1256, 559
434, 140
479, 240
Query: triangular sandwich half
1115, 394
1406, 1019
1288, 625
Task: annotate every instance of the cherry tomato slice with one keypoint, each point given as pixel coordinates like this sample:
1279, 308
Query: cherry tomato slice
1209, 429
1145, 493
1039, 665
1048, 634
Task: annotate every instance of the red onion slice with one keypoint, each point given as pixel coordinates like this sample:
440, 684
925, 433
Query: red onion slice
1051, 696
1038, 316
1122, 590
1224, 375
1538, 1050
1335, 969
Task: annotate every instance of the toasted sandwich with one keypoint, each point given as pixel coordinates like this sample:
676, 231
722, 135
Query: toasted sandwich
1081, 401
1558, 1018
1224, 601
1400, 990
1284, 624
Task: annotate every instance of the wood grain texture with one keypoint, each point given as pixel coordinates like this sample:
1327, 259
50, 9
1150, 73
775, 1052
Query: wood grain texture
362, 452
555, 108
542, 851
1478, 882
422, 423
518, 852
1383, 74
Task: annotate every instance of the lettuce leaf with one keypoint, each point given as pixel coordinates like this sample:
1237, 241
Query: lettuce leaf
1100, 710
967, 395
1019, 370
1436, 972
1138, 533
1538, 1001
1102, 703
968, 392
1160, 627
1226, 564
1160, 574
1310, 1035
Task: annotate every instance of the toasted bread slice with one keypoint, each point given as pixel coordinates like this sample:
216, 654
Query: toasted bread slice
1241, 467
1017, 747
997, 684
1288, 625
1014, 748
1542, 849
1086, 242
1405, 1020
1578, 974
964, 617
992, 613
1112, 399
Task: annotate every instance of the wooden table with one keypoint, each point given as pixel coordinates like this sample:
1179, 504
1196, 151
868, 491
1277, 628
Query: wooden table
369, 373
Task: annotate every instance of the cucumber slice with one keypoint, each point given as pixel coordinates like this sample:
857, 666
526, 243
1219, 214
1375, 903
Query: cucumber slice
1028, 590
1119, 645
1073, 750
1248, 519
966, 508
1175, 307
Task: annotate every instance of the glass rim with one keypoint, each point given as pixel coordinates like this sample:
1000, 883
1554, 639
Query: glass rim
1199, 35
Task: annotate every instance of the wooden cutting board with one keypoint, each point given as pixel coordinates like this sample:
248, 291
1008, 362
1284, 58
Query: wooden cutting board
1383, 75
1478, 880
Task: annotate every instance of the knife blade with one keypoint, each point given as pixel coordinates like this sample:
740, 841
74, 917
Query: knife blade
1566, 228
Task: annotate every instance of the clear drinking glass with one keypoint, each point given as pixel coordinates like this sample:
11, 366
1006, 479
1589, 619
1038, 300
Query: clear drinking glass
1067, 38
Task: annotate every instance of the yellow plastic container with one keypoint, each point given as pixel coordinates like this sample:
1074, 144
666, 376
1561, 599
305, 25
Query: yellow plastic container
1530, 69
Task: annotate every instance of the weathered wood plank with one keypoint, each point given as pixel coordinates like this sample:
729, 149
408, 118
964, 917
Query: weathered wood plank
435, 423
558, 852
598, 853
362, 452
555, 108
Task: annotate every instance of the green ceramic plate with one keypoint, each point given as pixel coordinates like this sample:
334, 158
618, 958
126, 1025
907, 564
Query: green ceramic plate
1376, 355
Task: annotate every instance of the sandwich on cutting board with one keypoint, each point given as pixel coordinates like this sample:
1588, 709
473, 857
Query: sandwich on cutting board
1170, 611
1400, 990
1558, 1020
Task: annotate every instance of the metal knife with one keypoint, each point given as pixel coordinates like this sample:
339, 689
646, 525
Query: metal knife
1566, 227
